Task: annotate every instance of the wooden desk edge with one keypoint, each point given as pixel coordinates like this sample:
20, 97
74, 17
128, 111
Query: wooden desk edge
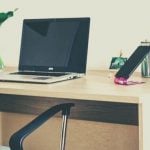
111, 112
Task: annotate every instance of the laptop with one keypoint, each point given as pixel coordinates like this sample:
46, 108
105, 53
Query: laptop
52, 50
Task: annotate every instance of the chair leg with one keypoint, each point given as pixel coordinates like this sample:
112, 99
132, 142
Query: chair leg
64, 131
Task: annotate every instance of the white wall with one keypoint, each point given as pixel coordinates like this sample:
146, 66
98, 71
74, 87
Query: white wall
115, 25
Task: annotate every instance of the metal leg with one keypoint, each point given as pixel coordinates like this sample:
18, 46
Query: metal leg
63, 133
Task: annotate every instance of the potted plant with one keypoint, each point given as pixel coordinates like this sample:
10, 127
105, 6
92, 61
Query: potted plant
3, 17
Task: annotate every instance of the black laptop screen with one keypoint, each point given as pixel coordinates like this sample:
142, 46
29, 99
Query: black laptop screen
58, 45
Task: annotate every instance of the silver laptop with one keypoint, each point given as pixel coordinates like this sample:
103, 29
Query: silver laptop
52, 50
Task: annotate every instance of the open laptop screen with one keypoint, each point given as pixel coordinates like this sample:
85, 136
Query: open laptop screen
58, 45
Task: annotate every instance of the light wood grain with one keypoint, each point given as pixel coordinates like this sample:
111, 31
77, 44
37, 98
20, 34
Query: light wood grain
82, 135
96, 98
96, 85
101, 111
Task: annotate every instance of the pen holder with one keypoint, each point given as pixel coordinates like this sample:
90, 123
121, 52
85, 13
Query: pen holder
145, 67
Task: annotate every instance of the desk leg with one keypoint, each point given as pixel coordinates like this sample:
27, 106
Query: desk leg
145, 128
0, 128
140, 127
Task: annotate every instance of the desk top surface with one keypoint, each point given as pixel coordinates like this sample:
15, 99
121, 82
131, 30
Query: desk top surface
96, 85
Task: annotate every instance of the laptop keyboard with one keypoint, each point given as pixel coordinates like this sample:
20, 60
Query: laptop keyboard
41, 73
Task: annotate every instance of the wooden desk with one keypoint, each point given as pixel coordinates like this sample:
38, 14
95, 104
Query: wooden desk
96, 98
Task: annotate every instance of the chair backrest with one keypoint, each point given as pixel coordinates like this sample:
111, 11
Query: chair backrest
16, 140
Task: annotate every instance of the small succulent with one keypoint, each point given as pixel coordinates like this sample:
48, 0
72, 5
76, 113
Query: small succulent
117, 62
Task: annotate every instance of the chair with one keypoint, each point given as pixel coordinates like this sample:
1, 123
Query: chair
16, 140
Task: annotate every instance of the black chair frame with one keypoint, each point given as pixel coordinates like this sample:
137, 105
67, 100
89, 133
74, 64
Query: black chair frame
16, 140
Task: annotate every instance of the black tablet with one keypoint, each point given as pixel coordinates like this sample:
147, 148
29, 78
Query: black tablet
133, 62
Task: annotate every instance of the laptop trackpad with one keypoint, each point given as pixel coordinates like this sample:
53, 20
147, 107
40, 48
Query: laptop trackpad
41, 78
